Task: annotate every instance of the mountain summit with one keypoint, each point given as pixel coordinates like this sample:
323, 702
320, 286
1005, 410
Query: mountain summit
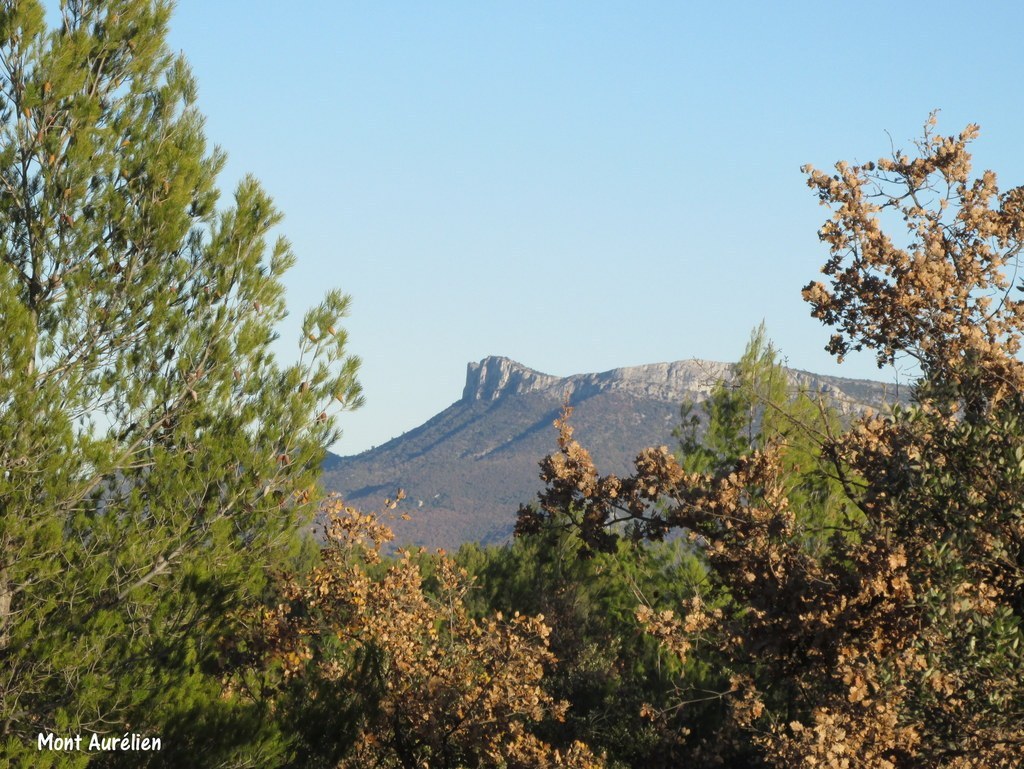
496, 377
466, 470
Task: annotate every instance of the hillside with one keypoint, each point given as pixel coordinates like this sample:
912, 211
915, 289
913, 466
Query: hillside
466, 470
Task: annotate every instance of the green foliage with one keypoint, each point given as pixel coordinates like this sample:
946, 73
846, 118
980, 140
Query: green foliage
620, 685
760, 405
739, 412
155, 460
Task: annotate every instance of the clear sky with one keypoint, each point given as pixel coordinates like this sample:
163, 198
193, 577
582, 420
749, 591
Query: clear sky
576, 185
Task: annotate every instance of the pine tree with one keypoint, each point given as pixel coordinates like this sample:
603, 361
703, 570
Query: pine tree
738, 411
758, 404
155, 459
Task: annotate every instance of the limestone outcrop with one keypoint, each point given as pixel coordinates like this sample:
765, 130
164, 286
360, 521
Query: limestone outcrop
497, 377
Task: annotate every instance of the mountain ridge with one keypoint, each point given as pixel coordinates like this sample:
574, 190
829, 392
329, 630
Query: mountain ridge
496, 376
466, 469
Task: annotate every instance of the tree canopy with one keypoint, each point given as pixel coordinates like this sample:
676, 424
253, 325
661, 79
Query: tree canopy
896, 641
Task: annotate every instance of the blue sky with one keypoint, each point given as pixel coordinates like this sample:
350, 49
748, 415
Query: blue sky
576, 185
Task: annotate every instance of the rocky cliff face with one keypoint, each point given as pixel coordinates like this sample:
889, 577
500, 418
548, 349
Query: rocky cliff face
497, 377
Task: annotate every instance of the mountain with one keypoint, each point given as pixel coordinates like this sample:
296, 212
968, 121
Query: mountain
466, 471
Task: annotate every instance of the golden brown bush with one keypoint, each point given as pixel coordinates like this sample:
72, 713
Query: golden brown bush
453, 691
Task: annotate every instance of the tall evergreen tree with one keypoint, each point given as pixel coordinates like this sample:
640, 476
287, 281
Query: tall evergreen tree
758, 404
732, 420
155, 460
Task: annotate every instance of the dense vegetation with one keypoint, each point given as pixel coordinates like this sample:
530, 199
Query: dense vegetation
782, 591
873, 616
